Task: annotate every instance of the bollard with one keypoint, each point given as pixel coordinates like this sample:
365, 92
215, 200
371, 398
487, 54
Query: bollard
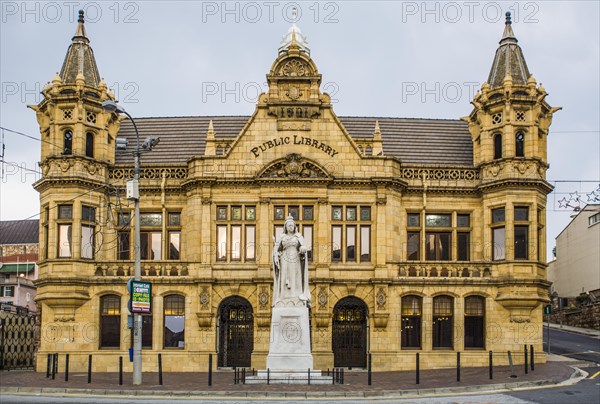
308, 375
160, 380
268, 376
369, 371
512, 369
342, 376
48, 366
525, 359
120, 370
491, 367
458, 366
243, 375
235, 381
210, 369
89, 368
417, 368
67, 368
56, 363
531, 357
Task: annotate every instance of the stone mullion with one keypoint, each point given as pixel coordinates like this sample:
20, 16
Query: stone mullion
459, 324
427, 324
265, 242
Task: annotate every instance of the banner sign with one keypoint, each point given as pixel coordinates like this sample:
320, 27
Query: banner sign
141, 297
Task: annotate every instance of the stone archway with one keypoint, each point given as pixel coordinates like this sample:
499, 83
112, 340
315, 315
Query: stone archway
236, 332
349, 339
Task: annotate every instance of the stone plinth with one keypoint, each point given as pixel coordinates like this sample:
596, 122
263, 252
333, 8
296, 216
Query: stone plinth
290, 340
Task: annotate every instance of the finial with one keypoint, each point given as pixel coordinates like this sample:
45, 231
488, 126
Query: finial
81, 19
210, 133
80, 34
508, 21
294, 15
377, 132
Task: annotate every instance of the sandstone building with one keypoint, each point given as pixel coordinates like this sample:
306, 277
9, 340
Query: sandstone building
425, 235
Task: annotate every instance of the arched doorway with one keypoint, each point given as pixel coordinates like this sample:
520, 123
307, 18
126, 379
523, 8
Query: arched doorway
349, 340
236, 332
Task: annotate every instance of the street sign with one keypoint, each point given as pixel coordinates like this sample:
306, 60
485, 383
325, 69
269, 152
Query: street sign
141, 297
547, 310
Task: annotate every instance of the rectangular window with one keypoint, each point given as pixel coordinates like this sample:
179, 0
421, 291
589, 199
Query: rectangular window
307, 233
443, 308
497, 215
174, 247
9, 291
1, 291
146, 331
365, 243
294, 212
351, 243
521, 242
414, 220
499, 243
413, 250
474, 322
411, 321
64, 240
250, 243
65, 211
594, 219
222, 243
438, 246
351, 213
463, 221
151, 246
307, 213
521, 213
87, 242
110, 321
174, 219
88, 214
464, 246
279, 213
123, 252
336, 243
236, 243
151, 219
438, 220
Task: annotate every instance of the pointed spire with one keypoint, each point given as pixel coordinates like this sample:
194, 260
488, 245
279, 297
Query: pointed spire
509, 60
210, 133
508, 35
80, 34
377, 132
377, 141
80, 58
209, 148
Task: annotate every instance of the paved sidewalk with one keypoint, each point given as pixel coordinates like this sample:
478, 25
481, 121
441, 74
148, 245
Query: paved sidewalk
384, 383
578, 330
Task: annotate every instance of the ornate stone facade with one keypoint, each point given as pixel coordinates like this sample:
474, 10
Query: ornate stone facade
405, 257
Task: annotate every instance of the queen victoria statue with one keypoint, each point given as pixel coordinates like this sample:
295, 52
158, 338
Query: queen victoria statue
289, 349
290, 268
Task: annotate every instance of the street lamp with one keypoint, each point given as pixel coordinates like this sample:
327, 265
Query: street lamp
133, 192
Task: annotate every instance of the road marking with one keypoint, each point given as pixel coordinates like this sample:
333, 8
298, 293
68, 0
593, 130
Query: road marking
595, 375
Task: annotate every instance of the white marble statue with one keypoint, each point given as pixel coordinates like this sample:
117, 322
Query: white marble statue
290, 267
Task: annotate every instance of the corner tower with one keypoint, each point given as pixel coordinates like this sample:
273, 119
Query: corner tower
77, 148
509, 127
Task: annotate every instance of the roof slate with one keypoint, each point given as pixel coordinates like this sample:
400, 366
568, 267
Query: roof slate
19, 232
414, 141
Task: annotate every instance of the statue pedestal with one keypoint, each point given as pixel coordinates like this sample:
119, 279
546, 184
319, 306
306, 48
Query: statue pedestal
290, 340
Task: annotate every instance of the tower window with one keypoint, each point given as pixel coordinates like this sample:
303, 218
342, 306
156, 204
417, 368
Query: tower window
68, 142
520, 144
497, 146
89, 144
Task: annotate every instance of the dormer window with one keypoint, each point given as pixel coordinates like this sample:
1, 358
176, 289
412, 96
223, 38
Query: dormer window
68, 142
520, 144
497, 146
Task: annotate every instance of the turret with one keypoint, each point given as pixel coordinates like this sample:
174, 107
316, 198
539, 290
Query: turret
72, 121
511, 118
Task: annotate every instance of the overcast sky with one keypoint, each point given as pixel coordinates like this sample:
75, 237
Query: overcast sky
400, 59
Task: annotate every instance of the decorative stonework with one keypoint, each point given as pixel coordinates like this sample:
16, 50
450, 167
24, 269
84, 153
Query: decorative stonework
149, 173
418, 270
294, 68
204, 298
148, 269
293, 166
263, 298
381, 298
451, 174
322, 297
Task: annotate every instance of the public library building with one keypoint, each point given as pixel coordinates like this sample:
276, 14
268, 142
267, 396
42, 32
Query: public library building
423, 235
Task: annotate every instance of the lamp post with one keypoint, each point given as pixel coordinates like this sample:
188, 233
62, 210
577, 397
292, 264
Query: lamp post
133, 192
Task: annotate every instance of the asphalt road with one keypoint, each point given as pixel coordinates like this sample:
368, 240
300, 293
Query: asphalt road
573, 345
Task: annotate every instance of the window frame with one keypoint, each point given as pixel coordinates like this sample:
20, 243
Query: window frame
114, 317
413, 321
477, 321
166, 304
352, 222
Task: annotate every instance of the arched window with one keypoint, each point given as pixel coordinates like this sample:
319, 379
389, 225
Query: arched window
497, 146
174, 321
68, 142
520, 144
412, 309
89, 144
474, 321
443, 313
110, 321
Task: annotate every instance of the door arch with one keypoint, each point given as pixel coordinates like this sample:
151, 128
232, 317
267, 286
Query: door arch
236, 332
349, 339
